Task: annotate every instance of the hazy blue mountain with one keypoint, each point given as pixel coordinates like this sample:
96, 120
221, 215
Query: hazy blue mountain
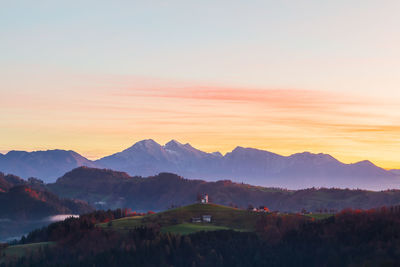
149, 158
397, 172
46, 165
248, 165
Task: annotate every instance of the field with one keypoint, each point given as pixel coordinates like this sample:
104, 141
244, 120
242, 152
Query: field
179, 219
122, 224
189, 228
18, 251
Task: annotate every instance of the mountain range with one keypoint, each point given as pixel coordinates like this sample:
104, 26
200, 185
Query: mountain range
46, 165
248, 165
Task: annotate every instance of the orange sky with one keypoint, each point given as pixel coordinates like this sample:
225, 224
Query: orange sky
97, 116
285, 76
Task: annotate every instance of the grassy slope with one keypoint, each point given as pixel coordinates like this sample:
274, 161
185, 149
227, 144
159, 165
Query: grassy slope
222, 216
18, 251
189, 228
124, 223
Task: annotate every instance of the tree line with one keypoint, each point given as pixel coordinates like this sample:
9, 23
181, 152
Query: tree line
349, 238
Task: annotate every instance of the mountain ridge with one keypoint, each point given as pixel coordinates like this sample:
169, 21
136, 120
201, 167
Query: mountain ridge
44, 164
242, 164
111, 189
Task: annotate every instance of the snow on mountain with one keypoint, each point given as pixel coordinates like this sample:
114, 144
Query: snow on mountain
249, 165
253, 166
147, 157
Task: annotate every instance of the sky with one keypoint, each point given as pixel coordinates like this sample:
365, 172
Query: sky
284, 76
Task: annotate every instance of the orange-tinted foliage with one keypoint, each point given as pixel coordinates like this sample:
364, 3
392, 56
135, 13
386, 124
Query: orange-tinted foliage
34, 194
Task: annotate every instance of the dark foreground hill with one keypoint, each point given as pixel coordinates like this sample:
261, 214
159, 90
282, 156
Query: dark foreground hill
110, 189
350, 238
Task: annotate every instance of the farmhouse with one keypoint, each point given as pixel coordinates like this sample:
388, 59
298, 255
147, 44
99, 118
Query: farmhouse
206, 218
203, 218
196, 220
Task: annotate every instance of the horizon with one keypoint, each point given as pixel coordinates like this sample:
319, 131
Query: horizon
304, 76
287, 115
186, 143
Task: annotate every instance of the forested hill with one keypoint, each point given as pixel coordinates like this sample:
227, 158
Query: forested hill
25, 203
111, 189
8, 181
22, 200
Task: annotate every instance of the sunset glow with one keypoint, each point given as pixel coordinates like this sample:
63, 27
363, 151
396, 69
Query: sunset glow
286, 87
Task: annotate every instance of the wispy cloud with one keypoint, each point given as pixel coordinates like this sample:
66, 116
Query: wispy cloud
116, 109
293, 102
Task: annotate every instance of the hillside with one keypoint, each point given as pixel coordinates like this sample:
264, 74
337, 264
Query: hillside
8, 181
179, 220
109, 189
24, 203
349, 238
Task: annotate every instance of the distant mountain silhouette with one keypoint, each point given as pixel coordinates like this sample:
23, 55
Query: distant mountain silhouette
46, 165
110, 189
249, 165
397, 172
149, 158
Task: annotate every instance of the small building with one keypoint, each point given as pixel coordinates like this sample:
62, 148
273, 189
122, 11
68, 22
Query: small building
206, 218
204, 199
196, 220
263, 209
